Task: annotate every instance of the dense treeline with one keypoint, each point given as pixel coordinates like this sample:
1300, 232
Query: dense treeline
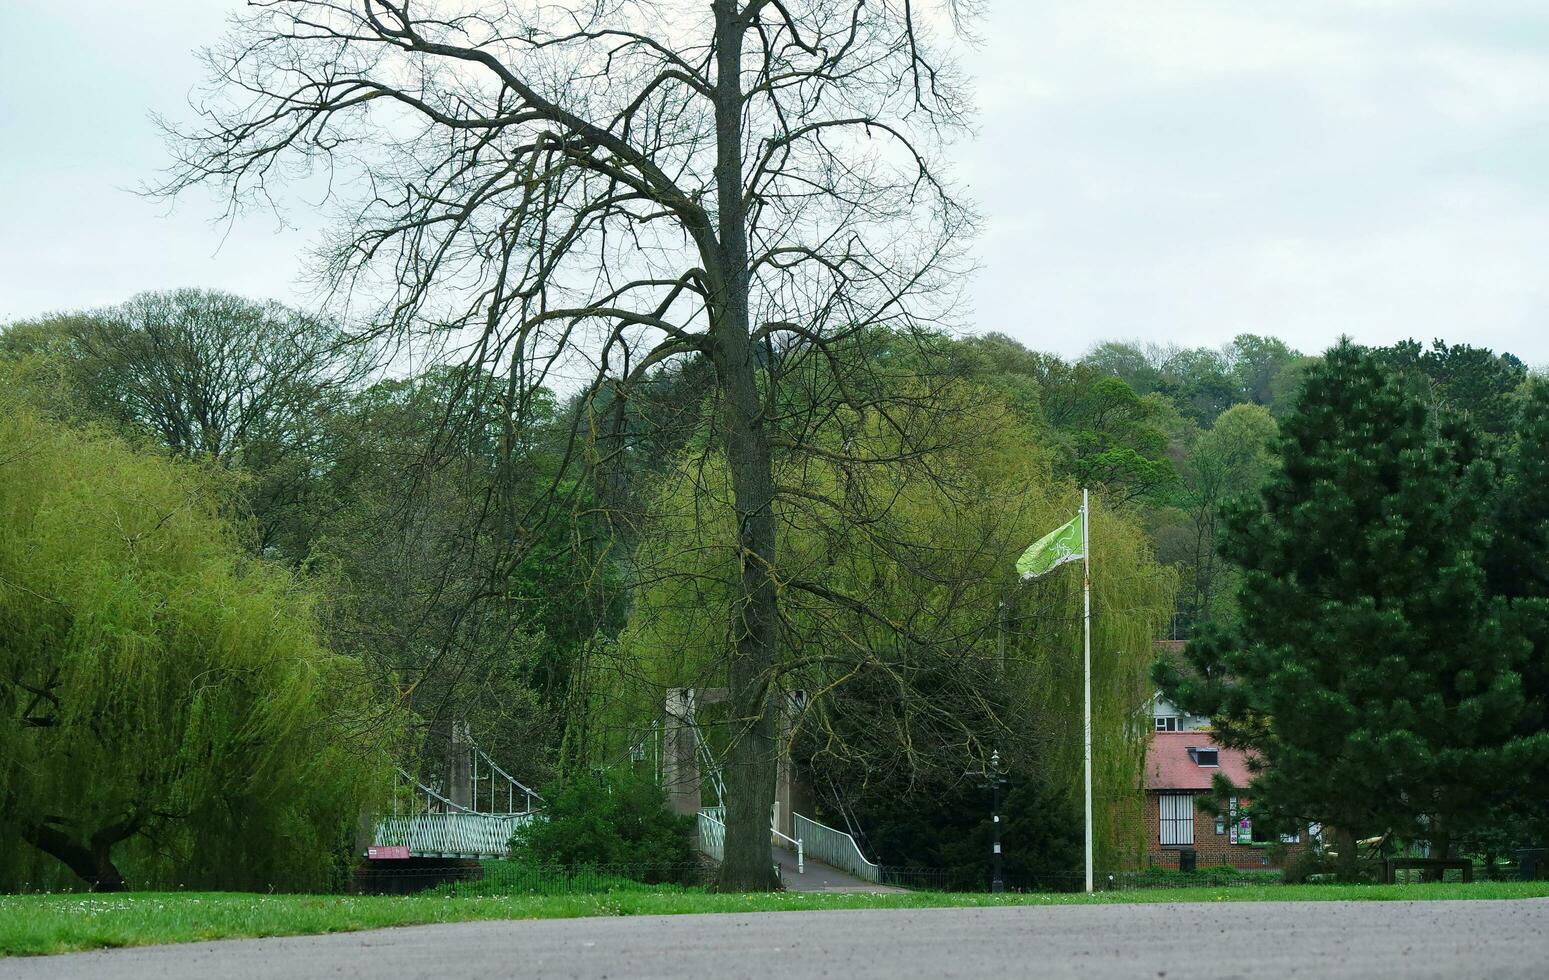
543, 565
1387, 666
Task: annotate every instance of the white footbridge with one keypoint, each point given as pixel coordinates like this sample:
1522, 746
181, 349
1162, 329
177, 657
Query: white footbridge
435, 826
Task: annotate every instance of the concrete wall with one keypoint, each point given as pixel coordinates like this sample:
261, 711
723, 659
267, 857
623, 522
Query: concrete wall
459, 766
680, 756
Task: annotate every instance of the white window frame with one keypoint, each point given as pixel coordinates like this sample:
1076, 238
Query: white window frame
1176, 819
1167, 723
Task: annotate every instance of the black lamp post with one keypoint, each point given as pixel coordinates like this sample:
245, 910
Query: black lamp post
997, 779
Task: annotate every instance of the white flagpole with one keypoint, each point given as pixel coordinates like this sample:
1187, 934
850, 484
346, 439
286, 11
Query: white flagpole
1086, 567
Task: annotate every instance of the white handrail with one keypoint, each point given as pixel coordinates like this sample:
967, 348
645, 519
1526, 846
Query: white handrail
493, 768
774, 829
835, 847
530, 793
432, 794
801, 860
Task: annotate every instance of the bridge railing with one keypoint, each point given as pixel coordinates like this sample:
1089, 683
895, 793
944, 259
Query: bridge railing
712, 831
834, 847
795, 843
500, 783
452, 835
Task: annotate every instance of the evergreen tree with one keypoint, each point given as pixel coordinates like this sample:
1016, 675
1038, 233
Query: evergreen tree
1373, 675
1518, 569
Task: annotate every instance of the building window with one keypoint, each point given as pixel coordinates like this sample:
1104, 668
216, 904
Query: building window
1166, 723
1205, 757
1177, 819
1220, 826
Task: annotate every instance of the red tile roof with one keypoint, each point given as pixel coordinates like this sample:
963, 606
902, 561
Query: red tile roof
1169, 765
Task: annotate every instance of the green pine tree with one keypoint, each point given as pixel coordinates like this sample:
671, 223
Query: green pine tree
1518, 570
1373, 675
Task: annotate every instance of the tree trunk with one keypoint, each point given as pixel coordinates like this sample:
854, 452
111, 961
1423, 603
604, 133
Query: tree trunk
1441, 848
92, 863
748, 863
1347, 859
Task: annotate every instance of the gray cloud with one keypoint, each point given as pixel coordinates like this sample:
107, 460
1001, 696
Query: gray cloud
1173, 171
1183, 171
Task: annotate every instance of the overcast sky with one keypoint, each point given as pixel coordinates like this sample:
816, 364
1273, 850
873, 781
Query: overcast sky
1176, 171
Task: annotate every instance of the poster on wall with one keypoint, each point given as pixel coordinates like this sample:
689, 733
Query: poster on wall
1241, 826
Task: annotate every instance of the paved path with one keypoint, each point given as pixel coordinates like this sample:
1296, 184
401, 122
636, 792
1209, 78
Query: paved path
1338, 940
820, 877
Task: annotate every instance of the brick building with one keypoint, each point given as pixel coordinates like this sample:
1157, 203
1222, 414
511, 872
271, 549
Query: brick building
1179, 767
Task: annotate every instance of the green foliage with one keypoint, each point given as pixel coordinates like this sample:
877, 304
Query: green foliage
1103, 433
166, 708
1231, 459
1257, 366
1202, 383
1216, 876
506, 877
1311, 866
206, 375
947, 828
1372, 672
610, 818
468, 567
1113, 437
892, 580
1517, 566
1473, 383
1518, 561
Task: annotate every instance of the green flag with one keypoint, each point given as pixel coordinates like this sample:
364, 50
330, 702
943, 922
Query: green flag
1054, 549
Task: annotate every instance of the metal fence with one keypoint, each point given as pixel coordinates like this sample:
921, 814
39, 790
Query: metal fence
512, 878
978, 879
495, 878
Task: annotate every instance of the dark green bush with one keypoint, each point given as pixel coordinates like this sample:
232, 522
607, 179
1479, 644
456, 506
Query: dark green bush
944, 832
615, 819
1311, 866
1216, 876
518, 878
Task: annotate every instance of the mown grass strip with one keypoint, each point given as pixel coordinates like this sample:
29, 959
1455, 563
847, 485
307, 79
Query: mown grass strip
40, 924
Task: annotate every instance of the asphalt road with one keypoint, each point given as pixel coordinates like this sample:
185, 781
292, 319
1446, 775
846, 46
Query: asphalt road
1188, 942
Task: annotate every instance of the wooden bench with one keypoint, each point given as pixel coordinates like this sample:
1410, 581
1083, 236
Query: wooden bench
1392, 865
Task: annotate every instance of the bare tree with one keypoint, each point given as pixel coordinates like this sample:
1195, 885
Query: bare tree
608, 185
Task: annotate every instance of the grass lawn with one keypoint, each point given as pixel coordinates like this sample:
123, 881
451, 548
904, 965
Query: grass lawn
34, 924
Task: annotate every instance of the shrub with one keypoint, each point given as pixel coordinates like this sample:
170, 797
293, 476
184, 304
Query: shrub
616, 819
1311, 866
1215, 876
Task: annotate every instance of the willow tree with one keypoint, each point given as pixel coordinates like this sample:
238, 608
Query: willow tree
166, 711
606, 186
917, 647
